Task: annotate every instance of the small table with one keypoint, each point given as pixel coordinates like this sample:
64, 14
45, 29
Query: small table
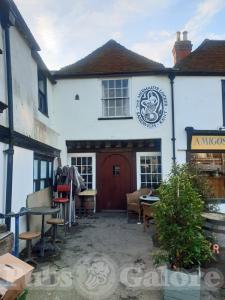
149, 199
89, 193
43, 211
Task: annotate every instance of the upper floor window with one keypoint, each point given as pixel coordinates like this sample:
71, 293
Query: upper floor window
115, 98
42, 93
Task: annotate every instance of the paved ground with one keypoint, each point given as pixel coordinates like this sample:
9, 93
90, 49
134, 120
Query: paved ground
103, 258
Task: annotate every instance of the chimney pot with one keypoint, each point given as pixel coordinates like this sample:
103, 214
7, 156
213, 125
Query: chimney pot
185, 35
178, 36
181, 48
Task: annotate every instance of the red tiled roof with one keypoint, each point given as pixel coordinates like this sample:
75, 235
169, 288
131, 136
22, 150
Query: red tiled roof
208, 57
109, 59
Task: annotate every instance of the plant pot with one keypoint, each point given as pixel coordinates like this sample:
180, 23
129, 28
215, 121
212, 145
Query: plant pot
181, 285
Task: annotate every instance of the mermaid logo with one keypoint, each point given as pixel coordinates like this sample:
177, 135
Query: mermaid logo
151, 106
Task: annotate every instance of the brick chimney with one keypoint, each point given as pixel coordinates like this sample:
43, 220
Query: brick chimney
181, 47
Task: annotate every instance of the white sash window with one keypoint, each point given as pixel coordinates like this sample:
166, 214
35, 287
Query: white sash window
115, 98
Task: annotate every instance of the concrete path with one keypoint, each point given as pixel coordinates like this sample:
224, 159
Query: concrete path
105, 258
102, 258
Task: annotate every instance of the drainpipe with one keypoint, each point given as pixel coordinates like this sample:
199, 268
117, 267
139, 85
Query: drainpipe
10, 151
173, 139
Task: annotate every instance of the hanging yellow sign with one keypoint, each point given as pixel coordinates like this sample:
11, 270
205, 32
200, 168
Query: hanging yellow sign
208, 142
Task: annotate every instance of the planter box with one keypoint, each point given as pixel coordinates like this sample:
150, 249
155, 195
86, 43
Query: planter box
181, 285
6, 242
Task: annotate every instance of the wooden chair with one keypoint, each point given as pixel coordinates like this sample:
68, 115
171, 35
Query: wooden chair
133, 202
28, 236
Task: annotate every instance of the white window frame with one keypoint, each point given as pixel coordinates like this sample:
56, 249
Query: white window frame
105, 99
93, 156
138, 164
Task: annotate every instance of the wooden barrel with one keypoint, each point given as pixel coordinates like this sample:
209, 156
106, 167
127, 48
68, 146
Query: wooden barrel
214, 226
77, 202
89, 203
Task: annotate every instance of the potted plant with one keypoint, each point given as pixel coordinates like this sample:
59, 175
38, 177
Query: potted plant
179, 228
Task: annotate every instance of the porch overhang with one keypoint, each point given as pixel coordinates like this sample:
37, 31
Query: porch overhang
104, 145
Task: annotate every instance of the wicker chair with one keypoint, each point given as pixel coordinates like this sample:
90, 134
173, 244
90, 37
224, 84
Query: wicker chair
133, 203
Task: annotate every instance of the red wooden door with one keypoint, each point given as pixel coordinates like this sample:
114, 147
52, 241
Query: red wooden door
115, 179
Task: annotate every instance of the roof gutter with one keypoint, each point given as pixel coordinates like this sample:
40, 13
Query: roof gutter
173, 139
10, 151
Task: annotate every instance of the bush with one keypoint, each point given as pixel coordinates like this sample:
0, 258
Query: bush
179, 222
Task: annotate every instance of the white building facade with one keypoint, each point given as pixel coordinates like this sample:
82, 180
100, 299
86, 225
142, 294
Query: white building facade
122, 119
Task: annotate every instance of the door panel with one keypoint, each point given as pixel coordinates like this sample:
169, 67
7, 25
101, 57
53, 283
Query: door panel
115, 179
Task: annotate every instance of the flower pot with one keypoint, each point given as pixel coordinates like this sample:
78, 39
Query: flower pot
181, 285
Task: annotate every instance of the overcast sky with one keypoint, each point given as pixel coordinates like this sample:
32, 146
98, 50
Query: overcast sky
68, 30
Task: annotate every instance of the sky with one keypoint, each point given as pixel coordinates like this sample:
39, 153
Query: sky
68, 30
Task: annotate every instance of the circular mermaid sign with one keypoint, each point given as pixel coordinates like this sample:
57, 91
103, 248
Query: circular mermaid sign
151, 106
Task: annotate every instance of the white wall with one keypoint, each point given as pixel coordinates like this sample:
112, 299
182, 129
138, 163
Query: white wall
22, 182
198, 104
78, 120
28, 120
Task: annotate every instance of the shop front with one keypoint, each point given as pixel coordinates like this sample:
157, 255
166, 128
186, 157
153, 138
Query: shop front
206, 149
117, 167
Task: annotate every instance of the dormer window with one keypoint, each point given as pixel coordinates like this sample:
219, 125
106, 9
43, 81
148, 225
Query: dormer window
42, 93
115, 98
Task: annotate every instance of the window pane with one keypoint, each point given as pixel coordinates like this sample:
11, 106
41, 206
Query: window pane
125, 82
111, 93
111, 103
105, 94
142, 160
43, 169
105, 84
126, 107
112, 112
73, 161
119, 111
125, 92
118, 93
111, 83
42, 184
41, 85
118, 83
50, 169
35, 169
105, 113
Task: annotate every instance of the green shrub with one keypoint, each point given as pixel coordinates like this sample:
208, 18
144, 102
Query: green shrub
179, 222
